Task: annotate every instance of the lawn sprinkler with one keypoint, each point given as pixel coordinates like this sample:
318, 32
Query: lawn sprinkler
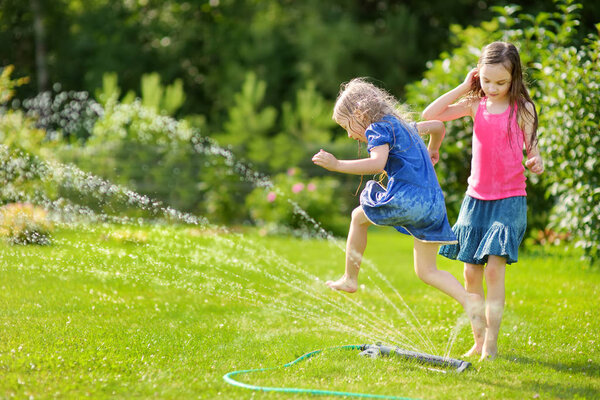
379, 350
368, 350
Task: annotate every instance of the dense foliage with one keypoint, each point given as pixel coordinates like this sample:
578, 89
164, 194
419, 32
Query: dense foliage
211, 45
570, 92
24, 223
246, 98
297, 204
562, 76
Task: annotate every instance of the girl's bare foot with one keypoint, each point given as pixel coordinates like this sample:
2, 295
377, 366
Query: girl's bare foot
475, 350
344, 283
488, 356
490, 350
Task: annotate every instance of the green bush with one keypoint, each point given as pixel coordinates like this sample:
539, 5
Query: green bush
151, 154
22, 173
249, 136
249, 125
570, 95
64, 115
8, 85
24, 223
295, 203
563, 76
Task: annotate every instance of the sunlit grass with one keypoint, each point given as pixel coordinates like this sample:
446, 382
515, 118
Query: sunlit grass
165, 312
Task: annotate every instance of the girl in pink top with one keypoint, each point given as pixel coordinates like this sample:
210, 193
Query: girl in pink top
493, 215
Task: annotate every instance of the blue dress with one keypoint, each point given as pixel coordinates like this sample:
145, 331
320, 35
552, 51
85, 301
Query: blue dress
413, 201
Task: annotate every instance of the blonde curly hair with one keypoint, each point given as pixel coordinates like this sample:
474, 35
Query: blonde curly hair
365, 103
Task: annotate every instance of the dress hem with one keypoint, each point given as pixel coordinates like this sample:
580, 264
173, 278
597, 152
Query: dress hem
416, 238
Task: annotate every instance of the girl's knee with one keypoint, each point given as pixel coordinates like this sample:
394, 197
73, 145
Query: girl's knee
491, 276
425, 273
422, 275
494, 273
359, 216
473, 273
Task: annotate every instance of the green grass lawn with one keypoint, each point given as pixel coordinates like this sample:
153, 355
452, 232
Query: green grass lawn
165, 312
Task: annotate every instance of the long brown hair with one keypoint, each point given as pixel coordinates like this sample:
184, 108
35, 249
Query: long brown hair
507, 54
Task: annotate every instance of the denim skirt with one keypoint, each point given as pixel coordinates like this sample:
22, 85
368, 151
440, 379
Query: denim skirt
488, 227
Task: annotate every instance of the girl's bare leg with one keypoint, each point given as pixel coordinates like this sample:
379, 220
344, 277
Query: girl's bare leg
425, 254
355, 248
474, 284
425, 266
495, 279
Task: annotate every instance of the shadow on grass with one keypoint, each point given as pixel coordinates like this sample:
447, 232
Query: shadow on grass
529, 388
570, 387
591, 369
563, 391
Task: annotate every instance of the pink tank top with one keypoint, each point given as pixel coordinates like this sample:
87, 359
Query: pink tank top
497, 170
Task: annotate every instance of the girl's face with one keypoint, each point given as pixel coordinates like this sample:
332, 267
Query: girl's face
495, 81
355, 129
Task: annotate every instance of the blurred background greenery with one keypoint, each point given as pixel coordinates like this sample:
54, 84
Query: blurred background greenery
216, 107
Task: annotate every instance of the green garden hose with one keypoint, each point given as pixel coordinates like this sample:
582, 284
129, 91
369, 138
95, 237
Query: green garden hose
231, 381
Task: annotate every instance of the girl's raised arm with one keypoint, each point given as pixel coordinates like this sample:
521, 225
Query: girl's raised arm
365, 166
444, 107
436, 131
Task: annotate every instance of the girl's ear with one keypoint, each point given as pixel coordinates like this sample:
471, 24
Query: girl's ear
360, 119
360, 116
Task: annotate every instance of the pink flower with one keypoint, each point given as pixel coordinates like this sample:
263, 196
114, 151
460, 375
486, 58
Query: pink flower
297, 187
291, 171
311, 187
271, 197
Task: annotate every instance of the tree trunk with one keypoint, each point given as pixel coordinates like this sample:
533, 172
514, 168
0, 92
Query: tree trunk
40, 46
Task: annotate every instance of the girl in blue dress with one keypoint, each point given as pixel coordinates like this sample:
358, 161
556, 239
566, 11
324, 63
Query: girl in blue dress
412, 202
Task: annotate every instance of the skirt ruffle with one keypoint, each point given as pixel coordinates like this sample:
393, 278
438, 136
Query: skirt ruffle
476, 244
487, 228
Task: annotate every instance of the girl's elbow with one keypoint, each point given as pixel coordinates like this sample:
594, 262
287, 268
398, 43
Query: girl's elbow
440, 127
429, 114
374, 169
379, 169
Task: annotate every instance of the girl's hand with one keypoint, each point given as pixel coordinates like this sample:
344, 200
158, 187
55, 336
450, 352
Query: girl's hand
325, 160
471, 76
535, 164
434, 155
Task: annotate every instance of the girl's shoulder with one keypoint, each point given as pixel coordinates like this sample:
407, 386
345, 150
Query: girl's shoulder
387, 130
380, 130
